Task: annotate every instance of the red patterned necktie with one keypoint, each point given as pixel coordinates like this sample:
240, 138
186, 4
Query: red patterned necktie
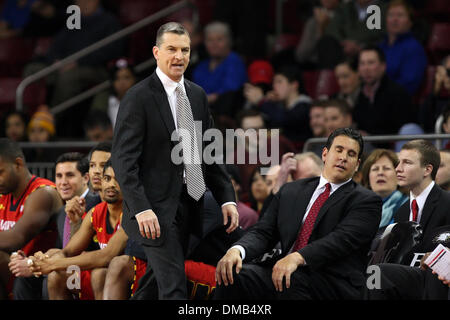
307, 227
415, 210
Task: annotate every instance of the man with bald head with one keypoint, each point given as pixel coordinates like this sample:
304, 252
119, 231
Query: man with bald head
296, 167
292, 168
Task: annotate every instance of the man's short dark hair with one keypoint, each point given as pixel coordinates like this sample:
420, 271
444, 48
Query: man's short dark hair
170, 27
104, 146
319, 103
79, 158
349, 132
378, 51
340, 104
429, 154
10, 150
351, 62
108, 164
97, 119
293, 73
249, 113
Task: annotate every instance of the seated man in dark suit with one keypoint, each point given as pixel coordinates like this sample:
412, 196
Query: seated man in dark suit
325, 225
428, 205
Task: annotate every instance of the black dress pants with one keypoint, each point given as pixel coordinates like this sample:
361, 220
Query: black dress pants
165, 263
255, 282
400, 282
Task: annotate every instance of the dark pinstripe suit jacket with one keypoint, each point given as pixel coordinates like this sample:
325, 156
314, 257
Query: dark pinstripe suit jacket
141, 157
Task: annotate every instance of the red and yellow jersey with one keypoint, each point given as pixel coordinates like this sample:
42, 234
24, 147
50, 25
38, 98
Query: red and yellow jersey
99, 220
11, 210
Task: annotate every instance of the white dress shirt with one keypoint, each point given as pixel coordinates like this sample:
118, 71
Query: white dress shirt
170, 87
420, 199
319, 189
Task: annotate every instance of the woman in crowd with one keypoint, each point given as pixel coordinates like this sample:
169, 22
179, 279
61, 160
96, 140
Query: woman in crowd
378, 174
41, 128
123, 78
258, 190
15, 125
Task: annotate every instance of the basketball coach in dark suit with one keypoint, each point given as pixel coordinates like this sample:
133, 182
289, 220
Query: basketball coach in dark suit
325, 225
163, 199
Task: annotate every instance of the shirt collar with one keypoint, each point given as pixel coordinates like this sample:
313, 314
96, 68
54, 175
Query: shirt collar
168, 84
421, 198
334, 186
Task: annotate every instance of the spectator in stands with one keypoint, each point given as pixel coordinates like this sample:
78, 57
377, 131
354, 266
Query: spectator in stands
253, 119
87, 71
28, 205
14, 16
306, 51
35, 18
347, 32
41, 128
258, 190
224, 71
248, 19
438, 99
272, 176
47, 18
347, 76
292, 168
317, 124
378, 174
337, 115
405, 56
15, 124
298, 166
287, 107
382, 106
123, 77
443, 173
260, 74
247, 216
98, 126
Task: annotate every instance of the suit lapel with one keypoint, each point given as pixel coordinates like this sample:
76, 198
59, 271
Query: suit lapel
194, 105
162, 103
335, 197
430, 205
403, 212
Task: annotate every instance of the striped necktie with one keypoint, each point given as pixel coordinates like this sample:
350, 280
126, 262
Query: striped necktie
191, 155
